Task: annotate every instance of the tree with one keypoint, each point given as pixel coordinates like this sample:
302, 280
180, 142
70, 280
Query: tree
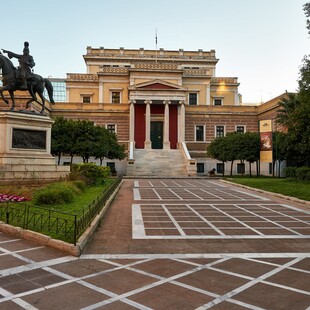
251, 149
307, 13
217, 149
85, 142
63, 137
106, 145
279, 149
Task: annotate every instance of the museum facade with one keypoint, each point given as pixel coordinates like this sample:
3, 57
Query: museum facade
165, 106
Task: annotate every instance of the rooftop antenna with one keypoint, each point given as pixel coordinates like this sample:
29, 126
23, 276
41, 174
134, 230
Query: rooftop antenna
156, 45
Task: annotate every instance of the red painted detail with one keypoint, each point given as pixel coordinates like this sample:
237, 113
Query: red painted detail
157, 86
173, 126
157, 109
139, 125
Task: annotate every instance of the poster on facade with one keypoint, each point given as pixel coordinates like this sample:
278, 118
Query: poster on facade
265, 130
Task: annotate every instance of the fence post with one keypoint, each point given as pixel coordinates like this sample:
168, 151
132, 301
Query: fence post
7, 213
75, 229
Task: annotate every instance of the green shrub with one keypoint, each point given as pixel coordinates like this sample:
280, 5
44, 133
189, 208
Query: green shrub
303, 173
290, 172
56, 193
80, 184
90, 173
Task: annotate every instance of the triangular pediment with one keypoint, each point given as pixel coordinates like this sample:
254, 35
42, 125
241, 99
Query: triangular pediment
156, 85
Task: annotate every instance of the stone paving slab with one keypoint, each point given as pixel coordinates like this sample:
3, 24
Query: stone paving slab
268, 268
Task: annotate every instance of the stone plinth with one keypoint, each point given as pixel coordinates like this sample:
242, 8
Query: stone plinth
25, 148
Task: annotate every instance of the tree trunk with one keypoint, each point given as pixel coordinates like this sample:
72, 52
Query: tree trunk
59, 156
279, 172
250, 168
223, 172
231, 167
257, 168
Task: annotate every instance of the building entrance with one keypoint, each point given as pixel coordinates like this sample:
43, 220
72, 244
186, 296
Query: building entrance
157, 134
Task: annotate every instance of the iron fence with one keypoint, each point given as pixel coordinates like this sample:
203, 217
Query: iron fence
57, 224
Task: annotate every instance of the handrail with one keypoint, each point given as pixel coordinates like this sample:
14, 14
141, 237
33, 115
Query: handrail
185, 150
131, 150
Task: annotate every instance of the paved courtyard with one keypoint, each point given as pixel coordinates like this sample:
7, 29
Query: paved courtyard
172, 244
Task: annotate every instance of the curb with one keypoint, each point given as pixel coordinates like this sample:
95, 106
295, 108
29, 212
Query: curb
68, 248
294, 199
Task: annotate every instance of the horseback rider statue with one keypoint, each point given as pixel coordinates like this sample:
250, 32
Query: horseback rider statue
26, 63
22, 78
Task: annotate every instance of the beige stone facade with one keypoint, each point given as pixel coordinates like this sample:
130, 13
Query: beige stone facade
160, 100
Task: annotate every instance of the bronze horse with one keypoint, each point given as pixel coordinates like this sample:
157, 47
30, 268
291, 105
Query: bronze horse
35, 85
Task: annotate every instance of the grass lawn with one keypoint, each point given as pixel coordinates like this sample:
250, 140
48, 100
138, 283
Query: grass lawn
43, 218
298, 189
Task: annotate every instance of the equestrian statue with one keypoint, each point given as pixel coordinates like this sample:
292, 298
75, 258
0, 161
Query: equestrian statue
22, 78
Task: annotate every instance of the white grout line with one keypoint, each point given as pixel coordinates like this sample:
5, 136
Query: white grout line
138, 230
136, 194
178, 227
206, 221
248, 285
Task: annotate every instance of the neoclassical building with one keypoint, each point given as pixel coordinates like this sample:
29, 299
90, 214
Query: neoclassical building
165, 106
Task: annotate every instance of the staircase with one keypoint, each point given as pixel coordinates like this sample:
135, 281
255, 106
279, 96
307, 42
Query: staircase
161, 163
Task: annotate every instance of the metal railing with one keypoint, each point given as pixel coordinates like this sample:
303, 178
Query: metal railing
56, 224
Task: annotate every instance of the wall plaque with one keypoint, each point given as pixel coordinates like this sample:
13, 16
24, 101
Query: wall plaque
29, 139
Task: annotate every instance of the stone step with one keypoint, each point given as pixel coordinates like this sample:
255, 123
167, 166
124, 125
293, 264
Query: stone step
158, 163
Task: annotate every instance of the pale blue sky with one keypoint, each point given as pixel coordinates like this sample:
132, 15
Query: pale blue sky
262, 42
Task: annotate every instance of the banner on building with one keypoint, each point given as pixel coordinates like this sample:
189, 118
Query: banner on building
265, 131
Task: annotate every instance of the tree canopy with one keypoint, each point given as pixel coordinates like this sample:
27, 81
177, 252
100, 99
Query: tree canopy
83, 138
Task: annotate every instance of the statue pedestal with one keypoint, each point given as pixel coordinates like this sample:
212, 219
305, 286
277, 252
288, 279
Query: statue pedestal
25, 148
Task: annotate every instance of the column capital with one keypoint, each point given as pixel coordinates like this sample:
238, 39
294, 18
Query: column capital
166, 102
148, 101
182, 102
132, 101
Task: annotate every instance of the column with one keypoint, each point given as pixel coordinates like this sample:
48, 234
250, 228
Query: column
132, 121
166, 125
208, 94
182, 122
147, 142
100, 92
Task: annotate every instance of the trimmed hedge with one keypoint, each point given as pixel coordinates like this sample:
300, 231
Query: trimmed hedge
298, 173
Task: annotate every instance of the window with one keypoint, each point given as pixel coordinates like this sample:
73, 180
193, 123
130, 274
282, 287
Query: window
59, 90
218, 101
220, 131
111, 128
192, 98
241, 168
220, 167
86, 99
200, 167
111, 165
199, 133
270, 166
116, 97
240, 129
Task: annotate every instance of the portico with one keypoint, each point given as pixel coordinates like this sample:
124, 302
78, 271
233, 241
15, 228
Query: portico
157, 115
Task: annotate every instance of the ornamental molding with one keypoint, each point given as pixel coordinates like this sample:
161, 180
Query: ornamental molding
82, 77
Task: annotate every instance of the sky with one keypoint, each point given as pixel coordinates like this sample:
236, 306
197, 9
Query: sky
262, 42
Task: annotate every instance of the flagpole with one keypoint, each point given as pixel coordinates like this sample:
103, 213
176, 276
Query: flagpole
156, 45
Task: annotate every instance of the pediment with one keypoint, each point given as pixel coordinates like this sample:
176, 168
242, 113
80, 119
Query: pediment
156, 85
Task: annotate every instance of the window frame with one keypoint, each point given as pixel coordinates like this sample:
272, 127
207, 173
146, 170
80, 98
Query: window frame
111, 124
189, 99
200, 165
203, 133
215, 131
244, 128
116, 90
218, 98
